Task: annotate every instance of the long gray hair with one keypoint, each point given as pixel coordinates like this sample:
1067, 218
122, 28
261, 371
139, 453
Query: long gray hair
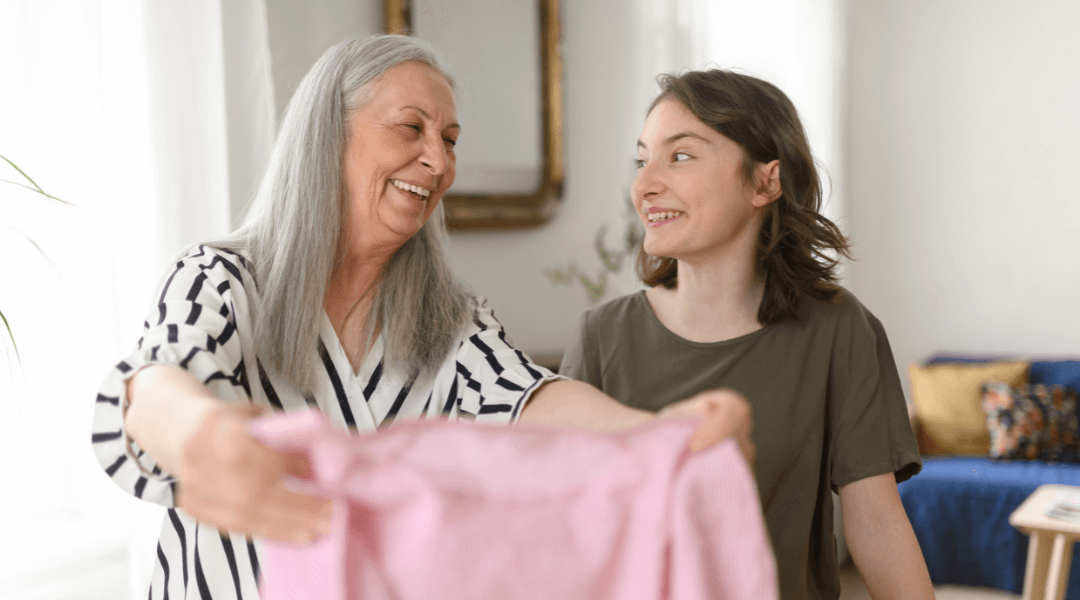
294, 230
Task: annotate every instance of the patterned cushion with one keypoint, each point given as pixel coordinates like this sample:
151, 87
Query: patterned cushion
948, 404
1032, 421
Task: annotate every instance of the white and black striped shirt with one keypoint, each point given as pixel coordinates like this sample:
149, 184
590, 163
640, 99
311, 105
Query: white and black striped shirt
202, 324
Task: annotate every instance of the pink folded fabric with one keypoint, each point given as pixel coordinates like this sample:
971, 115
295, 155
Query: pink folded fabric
454, 510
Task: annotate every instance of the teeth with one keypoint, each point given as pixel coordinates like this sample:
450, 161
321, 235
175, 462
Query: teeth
401, 185
663, 216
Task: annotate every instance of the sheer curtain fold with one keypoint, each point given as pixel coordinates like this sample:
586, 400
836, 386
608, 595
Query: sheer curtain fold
189, 141
153, 118
213, 108
250, 108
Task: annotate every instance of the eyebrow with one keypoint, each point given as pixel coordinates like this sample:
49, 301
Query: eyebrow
424, 112
678, 136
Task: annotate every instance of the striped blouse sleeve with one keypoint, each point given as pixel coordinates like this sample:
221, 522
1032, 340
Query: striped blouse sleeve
193, 326
494, 380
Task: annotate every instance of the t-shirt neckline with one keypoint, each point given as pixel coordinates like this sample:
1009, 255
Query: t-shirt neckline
651, 315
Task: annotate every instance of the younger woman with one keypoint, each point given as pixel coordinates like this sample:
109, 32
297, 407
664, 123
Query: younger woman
741, 269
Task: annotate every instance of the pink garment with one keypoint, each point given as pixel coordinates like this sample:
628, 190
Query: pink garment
455, 510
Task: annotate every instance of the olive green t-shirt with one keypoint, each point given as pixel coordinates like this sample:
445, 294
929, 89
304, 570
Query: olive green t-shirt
828, 410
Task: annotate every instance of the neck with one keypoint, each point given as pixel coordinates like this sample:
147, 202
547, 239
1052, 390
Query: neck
353, 284
716, 299
719, 296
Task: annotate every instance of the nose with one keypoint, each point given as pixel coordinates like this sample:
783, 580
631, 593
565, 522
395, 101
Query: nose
436, 158
646, 183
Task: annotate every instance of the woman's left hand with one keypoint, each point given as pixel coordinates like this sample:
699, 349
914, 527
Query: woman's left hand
724, 413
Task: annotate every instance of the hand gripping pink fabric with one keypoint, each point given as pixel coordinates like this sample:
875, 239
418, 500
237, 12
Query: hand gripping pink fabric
454, 510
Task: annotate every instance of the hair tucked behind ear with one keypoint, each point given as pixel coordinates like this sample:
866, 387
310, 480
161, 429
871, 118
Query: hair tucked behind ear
798, 249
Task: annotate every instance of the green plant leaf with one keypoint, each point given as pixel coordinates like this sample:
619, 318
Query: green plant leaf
612, 260
36, 191
596, 290
12, 337
36, 188
32, 243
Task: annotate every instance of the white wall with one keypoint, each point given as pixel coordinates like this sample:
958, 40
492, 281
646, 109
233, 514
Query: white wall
962, 157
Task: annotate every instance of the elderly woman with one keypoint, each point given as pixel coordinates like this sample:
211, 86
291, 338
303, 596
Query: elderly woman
334, 294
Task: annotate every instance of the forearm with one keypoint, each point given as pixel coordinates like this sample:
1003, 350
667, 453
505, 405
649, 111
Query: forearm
166, 406
881, 540
722, 413
577, 404
230, 480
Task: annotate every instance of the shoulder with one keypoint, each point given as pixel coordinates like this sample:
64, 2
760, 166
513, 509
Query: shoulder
482, 324
619, 310
850, 331
208, 276
213, 260
483, 341
846, 312
482, 316
855, 337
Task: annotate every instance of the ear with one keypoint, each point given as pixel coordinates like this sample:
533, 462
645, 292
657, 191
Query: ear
767, 177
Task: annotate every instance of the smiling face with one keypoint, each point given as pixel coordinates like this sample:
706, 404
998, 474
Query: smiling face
399, 157
689, 190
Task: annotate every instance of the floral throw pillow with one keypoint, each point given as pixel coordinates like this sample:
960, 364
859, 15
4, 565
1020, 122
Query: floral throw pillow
1032, 421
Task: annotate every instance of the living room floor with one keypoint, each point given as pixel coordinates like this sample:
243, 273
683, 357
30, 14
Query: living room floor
853, 588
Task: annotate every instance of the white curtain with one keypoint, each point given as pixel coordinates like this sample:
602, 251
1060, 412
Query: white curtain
153, 118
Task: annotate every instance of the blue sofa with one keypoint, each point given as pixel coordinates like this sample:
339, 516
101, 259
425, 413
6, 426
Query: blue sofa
959, 506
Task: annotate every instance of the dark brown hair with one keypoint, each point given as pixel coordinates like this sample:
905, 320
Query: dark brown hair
798, 249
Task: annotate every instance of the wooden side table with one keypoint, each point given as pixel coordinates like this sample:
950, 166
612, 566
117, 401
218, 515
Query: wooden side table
1051, 547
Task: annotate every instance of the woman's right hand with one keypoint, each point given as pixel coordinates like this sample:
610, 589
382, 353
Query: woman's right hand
227, 478
235, 482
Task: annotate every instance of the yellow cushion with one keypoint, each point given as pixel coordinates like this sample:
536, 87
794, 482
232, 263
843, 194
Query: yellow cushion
948, 404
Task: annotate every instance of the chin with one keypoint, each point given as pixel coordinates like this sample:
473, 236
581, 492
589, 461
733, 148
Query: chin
656, 249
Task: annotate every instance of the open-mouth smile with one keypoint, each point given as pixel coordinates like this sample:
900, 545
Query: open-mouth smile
419, 193
658, 218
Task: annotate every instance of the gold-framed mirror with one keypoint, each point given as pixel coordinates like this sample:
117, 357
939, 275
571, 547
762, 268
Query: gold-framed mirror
521, 190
